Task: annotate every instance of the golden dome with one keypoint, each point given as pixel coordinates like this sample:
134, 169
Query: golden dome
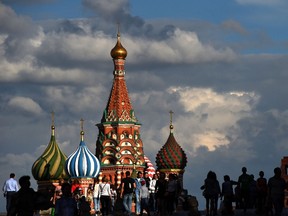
118, 52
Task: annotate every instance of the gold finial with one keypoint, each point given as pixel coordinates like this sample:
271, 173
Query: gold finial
82, 129
118, 52
171, 116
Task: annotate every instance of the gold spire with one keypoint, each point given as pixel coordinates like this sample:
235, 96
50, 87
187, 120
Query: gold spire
82, 129
171, 125
118, 52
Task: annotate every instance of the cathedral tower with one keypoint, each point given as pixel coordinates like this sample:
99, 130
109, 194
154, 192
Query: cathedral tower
119, 147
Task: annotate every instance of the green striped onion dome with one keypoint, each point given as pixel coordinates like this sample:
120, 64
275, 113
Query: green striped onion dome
171, 155
51, 164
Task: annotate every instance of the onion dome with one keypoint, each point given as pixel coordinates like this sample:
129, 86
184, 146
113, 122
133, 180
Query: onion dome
171, 155
118, 52
82, 163
51, 164
149, 167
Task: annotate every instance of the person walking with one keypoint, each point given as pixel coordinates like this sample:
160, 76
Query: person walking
137, 191
261, 185
127, 188
244, 181
113, 197
276, 188
105, 196
144, 197
96, 196
10, 187
211, 191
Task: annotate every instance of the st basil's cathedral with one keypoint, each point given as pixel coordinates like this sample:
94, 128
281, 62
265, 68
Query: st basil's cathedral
119, 147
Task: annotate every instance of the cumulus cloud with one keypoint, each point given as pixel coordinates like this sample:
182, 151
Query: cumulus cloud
73, 47
25, 104
74, 99
19, 35
212, 114
180, 47
11, 23
49, 56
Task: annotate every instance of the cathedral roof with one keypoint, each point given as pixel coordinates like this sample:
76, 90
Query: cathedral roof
82, 163
119, 107
50, 165
171, 155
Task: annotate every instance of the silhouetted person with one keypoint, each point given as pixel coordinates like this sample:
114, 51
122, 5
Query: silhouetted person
84, 207
252, 192
211, 193
10, 187
66, 205
237, 196
23, 201
261, 184
160, 190
276, 187
171, 190
228, 194
244, 181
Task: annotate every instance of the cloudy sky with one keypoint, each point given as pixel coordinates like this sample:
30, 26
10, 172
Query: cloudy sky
221, 66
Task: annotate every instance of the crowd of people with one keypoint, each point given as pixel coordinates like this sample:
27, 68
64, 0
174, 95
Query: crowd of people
158, 194
266, 197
